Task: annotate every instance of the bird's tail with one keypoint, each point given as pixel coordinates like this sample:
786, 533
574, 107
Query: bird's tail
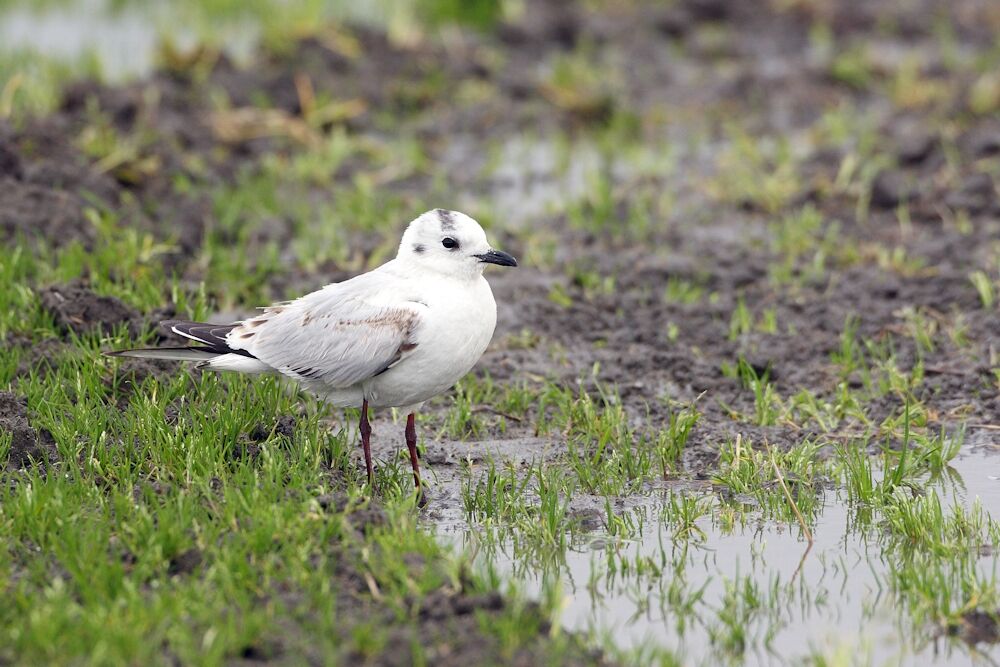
173, 353
214, 352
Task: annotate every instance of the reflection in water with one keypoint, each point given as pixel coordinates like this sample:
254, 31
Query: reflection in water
756, 591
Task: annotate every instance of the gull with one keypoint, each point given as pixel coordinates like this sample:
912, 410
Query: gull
390, 338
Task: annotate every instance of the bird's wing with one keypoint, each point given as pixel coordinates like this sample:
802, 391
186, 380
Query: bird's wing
340, 335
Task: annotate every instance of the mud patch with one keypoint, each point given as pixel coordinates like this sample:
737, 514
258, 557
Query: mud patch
35, 356
249, 444
31, 210
185, 562
449, 629
28, 445
76, 308
283, 426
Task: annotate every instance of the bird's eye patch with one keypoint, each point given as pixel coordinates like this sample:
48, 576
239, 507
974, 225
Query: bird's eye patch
449, 243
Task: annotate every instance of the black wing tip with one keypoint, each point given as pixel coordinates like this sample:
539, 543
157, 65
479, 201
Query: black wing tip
213, 336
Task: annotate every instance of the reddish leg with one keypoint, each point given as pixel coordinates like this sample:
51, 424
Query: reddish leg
366, 431
411, 444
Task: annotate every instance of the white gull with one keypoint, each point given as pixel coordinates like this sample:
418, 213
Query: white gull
393, 337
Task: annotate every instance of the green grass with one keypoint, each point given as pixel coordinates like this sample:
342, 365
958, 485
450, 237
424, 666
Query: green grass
93, 541
755, 172
31, 85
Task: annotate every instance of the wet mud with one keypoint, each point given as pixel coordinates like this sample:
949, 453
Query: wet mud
28, 445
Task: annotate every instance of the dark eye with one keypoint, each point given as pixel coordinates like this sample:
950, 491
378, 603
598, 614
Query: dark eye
449, 243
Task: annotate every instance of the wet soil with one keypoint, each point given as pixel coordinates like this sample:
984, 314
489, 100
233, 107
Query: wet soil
77, 309
446, 625
699, 63
48, 180
28, 445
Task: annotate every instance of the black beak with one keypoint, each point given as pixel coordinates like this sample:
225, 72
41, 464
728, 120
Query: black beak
497, 257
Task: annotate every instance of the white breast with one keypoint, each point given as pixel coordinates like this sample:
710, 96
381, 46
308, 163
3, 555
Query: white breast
454, 333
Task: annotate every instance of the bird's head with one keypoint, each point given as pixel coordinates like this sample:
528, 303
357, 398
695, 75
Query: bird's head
450, 242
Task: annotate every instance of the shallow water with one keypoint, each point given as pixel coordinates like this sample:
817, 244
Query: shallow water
125, 40
829, 599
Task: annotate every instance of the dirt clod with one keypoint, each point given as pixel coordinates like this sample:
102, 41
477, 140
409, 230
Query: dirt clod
283, 426
31, 210
28, 444
76, 308
185, 562
442, 605
890, 189
261, 651
915, 146
977, 194
361, 517
10, 162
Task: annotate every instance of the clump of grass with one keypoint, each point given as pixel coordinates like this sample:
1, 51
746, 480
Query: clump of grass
604, 452
984, 288
32, 83
852, 66
670, 443
679, 290
806, 247
761, 474
481, 14
582, 86
984, 95
870, 482
742, 321
592, 282
769, 408
922, 329
530, 510
756, 172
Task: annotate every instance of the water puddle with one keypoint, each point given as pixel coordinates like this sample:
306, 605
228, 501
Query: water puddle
753, 592
123, 43
524, 177
124, 38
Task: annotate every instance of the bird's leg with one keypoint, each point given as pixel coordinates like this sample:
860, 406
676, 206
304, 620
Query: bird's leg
366, 431
411, 444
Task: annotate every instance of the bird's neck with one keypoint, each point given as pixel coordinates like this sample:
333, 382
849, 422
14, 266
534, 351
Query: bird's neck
414, 268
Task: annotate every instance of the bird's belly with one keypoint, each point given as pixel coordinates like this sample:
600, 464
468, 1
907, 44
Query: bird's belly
447, 348
397, 387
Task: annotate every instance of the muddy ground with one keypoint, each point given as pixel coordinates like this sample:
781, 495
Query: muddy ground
682, 74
